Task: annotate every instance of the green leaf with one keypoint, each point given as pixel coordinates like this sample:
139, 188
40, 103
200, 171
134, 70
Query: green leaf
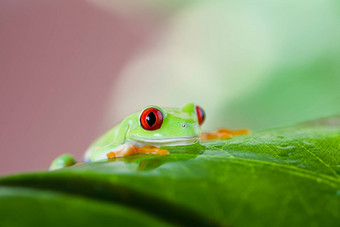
30, 207
279, 177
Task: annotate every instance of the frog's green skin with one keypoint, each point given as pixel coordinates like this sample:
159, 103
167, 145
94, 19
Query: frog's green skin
180, 127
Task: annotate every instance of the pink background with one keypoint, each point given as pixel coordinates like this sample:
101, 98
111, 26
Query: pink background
58, 60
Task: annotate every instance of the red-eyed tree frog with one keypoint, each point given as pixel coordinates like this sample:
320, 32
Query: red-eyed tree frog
145, 131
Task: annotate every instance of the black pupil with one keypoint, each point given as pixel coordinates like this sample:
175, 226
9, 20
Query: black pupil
202, 114
151, 119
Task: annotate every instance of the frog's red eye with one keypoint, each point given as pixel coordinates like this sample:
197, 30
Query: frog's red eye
200, 115
151, 119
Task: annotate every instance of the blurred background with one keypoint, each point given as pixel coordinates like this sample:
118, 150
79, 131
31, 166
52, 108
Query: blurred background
69, 70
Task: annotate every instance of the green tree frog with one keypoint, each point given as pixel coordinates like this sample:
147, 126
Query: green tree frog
145, 131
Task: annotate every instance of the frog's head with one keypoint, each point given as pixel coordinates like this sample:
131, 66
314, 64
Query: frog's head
166, 126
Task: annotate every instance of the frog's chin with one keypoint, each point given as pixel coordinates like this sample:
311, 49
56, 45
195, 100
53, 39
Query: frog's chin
179, 141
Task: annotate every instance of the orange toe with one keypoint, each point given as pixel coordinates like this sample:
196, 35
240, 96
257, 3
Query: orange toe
223, 133
134, 150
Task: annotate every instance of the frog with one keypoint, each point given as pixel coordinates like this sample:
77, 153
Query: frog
147, 131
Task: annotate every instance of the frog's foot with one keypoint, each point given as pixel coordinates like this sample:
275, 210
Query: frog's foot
62, 161
79, 163
134, 150
223, 134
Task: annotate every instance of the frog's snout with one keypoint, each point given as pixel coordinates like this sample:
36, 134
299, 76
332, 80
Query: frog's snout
190, 129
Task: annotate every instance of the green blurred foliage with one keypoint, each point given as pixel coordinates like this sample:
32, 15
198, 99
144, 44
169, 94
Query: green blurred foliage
255, 64
290, 95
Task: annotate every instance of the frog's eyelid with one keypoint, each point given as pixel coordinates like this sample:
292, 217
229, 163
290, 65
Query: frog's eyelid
152, 106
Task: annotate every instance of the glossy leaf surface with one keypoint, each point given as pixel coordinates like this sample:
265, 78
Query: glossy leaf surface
279, 177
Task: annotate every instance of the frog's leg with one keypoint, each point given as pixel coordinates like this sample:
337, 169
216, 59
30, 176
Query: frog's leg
62, 161
129, 149
223, 134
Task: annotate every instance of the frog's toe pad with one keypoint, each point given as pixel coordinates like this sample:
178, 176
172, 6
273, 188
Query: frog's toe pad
63, 161
134, 150
223, 134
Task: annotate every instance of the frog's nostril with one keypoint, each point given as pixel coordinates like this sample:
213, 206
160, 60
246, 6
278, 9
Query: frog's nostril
184, 125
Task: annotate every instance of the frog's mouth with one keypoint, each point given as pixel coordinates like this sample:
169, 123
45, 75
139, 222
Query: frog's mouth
180, 141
